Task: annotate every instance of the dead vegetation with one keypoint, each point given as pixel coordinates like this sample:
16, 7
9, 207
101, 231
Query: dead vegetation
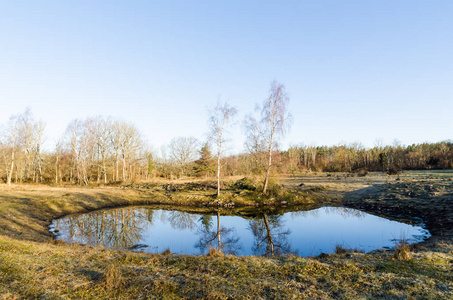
113, 278
47, 270
32, 265
402, 251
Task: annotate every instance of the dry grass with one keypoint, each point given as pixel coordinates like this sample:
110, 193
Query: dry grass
166, 252
213, 252
113, 278
340, 249
27, 210
46, 270
402, 251
32, 265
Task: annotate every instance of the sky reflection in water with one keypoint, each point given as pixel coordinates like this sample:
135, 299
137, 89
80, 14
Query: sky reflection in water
304, 233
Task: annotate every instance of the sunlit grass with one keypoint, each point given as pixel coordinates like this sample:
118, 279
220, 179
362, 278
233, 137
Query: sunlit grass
31, 269
32, 265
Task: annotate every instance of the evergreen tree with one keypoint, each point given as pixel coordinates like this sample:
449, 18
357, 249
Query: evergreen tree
204, 165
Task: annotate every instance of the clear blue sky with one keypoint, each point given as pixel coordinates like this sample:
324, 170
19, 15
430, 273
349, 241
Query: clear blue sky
354, 70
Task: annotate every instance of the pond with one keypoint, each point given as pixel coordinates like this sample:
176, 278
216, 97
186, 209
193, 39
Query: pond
307, 231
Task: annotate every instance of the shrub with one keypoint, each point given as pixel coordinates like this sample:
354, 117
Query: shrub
245, 183
273, 188
340, 249
362, 172
392, 171
402, 251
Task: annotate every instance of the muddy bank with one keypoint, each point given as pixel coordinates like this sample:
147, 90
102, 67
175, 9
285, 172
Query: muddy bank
428, 200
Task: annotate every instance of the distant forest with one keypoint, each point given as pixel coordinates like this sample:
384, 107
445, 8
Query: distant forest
107, 150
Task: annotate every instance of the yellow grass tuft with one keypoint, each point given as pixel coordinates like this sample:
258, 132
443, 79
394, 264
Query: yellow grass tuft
213, 252
166, 252
113, 278
402, 251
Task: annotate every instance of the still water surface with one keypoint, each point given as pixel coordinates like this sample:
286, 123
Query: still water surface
304, 232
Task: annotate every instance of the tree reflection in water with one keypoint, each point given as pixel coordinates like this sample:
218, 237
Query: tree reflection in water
262, 233
342, 211
225, 238
182, 220
270, 236
118, 228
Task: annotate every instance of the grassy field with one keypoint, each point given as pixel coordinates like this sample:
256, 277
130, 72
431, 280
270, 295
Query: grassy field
33, 265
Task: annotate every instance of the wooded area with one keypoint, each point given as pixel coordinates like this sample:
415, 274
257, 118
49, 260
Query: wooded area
106, 150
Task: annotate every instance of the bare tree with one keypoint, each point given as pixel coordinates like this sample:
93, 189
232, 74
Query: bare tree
38, 133
24, 136
11, 139
220, 118
100, 128
80, 147
59, 150
272, 125
95, 142
31, 138
183, 150
127, 142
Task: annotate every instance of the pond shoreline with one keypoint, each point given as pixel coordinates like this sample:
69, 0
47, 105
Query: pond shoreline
375, 199
241, 232
33, 265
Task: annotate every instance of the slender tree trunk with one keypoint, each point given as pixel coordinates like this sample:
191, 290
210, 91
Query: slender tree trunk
10, 174
218, 175
268, 171
124, 169
56, 171
104, 169
218, 231
117, 168
40, 170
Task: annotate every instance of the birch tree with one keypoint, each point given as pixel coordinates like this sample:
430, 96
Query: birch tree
220, 118
76, 142
30, 139
126, 141
12, 139
100, 128
59, 150
273, 123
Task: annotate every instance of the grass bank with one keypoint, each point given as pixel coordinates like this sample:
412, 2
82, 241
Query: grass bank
27, 210
47, 270
33, 265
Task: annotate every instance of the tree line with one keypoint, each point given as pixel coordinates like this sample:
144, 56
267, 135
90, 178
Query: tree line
352, 157
96, 149
107, 150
